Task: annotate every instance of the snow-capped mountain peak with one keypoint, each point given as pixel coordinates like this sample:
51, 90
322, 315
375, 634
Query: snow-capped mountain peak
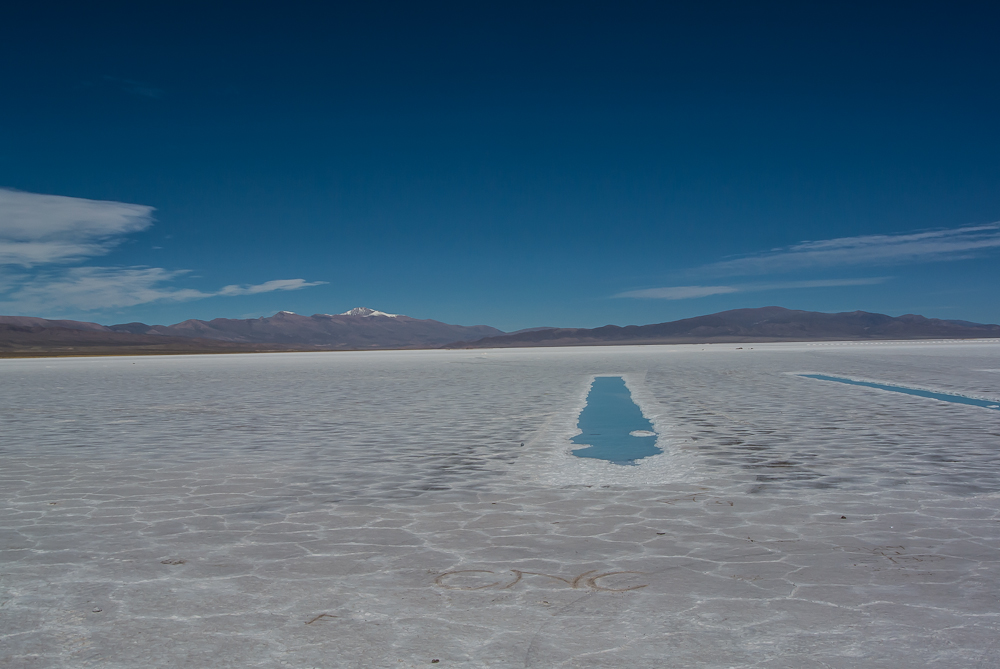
365, 311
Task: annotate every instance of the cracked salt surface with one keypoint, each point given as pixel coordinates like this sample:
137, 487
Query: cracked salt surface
377, 509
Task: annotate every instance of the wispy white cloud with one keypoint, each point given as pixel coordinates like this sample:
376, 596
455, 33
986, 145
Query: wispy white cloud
93, 288
41, 234
679, 292
865, 250
269, 286
928, 246
39, 229
690, 292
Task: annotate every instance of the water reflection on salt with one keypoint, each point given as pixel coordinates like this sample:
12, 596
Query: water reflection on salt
613, 427
944, 397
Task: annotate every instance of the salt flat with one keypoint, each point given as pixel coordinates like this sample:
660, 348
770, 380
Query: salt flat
377, 509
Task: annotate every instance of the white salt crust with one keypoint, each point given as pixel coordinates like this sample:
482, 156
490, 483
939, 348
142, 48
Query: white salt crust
377, 509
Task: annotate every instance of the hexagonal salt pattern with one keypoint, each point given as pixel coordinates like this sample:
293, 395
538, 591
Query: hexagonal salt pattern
379, 510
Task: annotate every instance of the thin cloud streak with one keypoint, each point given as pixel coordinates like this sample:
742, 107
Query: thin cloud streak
136, 87
268, 287
932, 246
95, 288
679, 292
690, 292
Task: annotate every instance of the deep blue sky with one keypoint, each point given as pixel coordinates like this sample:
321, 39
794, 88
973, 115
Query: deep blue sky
515, 164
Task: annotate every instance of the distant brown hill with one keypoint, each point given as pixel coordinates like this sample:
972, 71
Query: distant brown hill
357, 329
766, 324
25, 341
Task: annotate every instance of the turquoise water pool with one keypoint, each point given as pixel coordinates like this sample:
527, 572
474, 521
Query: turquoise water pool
608, 423
945, 397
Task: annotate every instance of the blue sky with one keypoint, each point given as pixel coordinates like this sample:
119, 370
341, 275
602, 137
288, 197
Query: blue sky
515, 164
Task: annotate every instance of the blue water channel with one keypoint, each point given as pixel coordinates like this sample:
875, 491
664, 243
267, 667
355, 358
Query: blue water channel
945, 397
608, 421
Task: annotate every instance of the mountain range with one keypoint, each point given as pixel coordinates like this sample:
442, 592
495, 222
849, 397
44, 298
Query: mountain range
367, 329
358, 329
765, 324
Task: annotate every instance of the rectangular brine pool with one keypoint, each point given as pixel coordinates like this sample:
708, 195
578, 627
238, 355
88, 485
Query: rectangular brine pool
613, 426
918, 392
